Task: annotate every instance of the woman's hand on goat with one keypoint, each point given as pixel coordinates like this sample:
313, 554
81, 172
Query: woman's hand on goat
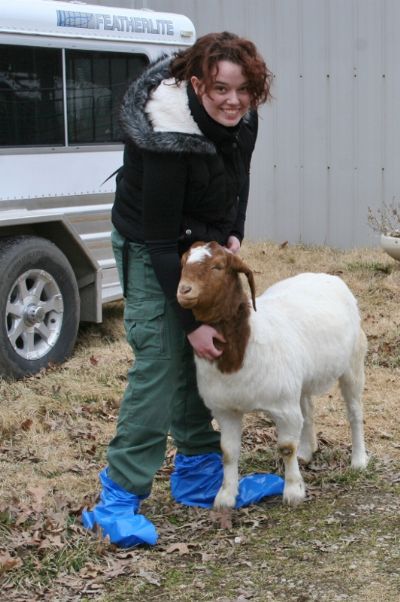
202, 341
233, 245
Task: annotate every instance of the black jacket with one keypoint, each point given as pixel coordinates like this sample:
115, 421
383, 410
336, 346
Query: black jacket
185, 177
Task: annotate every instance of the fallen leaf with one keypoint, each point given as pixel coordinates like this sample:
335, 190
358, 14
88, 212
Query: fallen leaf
223, 517
336, 272
90, 570
38, 494
129, 554
150, 577
182, 548
245, 596
8, 563
385, 435
26, 424
52, 541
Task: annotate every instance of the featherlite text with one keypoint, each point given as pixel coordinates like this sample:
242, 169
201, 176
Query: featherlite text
67, 18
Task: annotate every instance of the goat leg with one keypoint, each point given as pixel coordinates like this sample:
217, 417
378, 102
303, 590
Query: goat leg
308, 439
289, 425
230, 423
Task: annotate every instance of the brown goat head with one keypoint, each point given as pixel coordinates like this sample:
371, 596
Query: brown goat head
209, 283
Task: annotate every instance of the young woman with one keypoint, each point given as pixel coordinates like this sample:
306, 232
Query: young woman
190, 126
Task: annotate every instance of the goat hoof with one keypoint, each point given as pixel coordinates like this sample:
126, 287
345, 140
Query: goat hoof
294, 494
305, 455
360, 462
224, 499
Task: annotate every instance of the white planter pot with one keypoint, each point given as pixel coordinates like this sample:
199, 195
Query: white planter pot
391, 244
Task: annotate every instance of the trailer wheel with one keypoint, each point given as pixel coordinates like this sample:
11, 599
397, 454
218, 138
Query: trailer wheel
39, 306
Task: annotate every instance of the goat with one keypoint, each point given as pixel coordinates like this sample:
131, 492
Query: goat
305, 335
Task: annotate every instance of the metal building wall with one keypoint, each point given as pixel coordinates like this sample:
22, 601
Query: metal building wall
329, 144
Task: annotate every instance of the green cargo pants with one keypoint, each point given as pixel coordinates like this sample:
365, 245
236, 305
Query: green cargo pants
161, 395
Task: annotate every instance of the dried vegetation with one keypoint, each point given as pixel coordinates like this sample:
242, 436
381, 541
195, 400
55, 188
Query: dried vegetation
342, 544
385, 220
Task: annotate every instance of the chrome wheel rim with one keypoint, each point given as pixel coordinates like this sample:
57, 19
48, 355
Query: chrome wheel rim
34, 314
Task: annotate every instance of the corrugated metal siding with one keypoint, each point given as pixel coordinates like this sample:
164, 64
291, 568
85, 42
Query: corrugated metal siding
329, 144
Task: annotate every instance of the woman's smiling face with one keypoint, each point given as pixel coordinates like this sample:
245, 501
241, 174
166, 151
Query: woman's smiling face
228, 98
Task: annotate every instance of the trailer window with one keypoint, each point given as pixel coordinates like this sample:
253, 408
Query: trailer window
96, 82
31, 95
31, 109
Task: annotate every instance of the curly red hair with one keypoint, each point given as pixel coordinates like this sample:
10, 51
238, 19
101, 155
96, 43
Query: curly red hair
203, 57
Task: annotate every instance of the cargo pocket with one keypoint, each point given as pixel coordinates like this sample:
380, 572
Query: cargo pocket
146, 329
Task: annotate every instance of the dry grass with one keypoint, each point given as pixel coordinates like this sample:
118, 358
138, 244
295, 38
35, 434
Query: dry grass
55, 427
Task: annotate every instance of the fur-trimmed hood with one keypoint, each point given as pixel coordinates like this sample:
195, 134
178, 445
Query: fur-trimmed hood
155, 114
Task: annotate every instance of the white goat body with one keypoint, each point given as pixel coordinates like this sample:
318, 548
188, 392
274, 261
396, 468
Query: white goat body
304, 336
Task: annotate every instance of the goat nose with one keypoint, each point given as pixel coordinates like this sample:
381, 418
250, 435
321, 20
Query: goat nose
184, 289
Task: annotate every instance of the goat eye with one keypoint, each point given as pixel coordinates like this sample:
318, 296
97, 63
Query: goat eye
217, 267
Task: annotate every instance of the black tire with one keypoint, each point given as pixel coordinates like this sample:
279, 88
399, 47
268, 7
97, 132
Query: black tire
39, 306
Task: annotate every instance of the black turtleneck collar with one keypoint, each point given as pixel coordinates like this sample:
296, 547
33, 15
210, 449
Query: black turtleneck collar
220, 134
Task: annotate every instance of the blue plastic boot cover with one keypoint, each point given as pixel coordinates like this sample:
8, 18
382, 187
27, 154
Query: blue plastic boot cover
196, 480
116, 515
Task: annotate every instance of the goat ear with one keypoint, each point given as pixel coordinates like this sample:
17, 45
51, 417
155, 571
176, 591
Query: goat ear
184, 258
239, 266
